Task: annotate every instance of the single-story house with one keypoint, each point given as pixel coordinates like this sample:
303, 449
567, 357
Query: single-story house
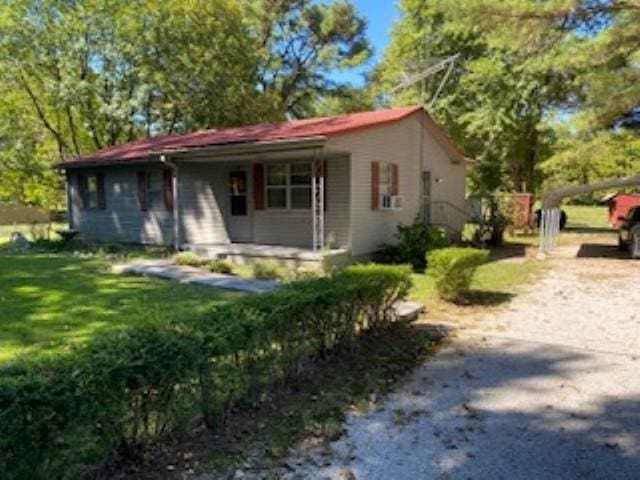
302, 189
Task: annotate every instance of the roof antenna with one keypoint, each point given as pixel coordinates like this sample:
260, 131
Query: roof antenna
409, 80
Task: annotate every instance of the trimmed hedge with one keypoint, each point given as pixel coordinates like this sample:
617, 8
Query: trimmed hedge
453, 269
126, 389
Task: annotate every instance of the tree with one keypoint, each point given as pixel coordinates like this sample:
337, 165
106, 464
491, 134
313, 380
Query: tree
100, 73
495, 102
301, 43
596, 41
585, 158
25, 153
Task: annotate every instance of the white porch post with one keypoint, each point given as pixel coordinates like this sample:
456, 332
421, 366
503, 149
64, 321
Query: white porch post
317, 200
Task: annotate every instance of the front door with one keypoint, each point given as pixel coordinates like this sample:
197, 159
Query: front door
240, 229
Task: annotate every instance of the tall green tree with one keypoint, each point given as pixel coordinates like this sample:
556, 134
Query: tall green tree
26, 150
594, 41
494, 103
99, 73
302, 43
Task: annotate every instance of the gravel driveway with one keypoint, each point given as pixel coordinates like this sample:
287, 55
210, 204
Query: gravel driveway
547, 388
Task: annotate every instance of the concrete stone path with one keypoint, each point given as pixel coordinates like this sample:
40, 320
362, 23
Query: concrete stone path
546, 388
185, 274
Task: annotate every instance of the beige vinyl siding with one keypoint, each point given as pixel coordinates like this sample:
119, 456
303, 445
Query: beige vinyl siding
401, 143
336, 225
295, 227
451, 185
122, 219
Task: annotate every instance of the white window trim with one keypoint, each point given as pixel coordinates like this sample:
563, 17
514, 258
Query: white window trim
287, 186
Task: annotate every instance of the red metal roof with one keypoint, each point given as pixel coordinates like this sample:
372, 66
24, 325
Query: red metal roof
313, 127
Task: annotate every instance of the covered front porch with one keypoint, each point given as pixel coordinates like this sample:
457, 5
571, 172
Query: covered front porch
287, 202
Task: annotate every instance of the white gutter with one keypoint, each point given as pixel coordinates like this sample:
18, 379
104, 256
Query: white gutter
176, 200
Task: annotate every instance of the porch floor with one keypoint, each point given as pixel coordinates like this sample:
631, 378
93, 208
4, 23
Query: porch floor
257, 250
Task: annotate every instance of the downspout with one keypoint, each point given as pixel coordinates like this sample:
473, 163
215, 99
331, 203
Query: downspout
176, 201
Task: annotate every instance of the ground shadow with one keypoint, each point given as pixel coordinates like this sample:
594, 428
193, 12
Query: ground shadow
500, 412
588, 230
484, 298
599, 250
508, 251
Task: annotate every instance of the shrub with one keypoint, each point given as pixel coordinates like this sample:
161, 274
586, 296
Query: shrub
125, 389
219, 266
453, 269
189, 259
413, 242
268, 271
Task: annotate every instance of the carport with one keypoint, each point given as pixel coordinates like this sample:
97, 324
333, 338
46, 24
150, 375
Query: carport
550, 213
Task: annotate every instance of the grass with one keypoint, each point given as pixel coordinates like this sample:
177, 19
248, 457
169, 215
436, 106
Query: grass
51, 302
579, 216
494, 282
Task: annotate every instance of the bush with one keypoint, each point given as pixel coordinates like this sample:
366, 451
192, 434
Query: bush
219, 266
413, 242
189, 259
453, 269
267, 271
125, 389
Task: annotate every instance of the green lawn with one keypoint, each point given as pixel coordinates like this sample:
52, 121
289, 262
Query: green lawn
493, 282
48, 302
579, 216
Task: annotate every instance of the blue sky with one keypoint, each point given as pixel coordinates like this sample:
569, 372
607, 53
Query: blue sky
380, 15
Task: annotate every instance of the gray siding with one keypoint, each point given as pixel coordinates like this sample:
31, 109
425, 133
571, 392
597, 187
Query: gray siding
203, 204
295, 228
121, 220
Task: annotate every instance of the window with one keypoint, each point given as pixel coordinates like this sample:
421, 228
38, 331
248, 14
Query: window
385, 179
301, 186
91, 192
385, 185
289, 186
155, 188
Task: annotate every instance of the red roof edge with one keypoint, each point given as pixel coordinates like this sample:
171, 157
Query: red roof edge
144, 150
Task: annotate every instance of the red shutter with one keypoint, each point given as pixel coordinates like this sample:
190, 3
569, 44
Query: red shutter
167, 176
80, 191
258, 186
102, 201
142, 190
394, 179
375, 185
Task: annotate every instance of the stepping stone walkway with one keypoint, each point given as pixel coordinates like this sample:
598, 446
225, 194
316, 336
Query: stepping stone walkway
185, 274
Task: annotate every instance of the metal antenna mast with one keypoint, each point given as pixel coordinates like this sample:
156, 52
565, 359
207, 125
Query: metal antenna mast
410, 80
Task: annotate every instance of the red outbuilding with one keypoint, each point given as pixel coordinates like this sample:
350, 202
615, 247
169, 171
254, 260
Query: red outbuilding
619, 205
